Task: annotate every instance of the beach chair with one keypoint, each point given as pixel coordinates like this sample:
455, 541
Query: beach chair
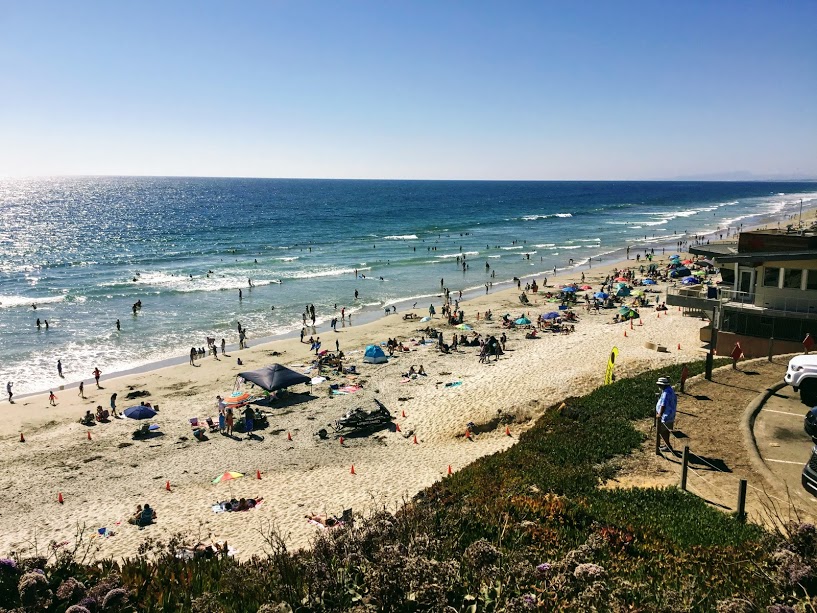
213, 427
194, 422
143, 430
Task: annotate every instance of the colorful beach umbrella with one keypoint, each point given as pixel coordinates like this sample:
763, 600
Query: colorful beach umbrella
237, 399
227, 476
620, 279
687, 261
569, 289
551, 315
522, 321
601, 295
623, 291
698, 273
585, 287
690, 280
638, 292
649, 282
463, 327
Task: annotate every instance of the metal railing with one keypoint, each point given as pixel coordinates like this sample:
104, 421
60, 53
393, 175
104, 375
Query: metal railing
746, 300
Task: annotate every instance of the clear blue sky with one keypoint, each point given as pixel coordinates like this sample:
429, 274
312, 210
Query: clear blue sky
483, 90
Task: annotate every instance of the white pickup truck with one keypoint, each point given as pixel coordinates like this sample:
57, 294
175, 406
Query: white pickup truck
802, 375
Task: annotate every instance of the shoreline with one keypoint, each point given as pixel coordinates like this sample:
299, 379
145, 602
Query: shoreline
369, 314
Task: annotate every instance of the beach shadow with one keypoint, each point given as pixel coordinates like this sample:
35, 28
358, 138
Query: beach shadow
290, 400
364, 433
751, 373
679, 434
147, 437
702, 397
255, 437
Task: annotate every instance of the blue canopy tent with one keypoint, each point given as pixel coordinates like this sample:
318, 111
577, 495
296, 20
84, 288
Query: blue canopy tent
601, 295
374, 355
648, 282
551, 315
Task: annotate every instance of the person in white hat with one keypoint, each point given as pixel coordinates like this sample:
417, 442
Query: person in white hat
665, 411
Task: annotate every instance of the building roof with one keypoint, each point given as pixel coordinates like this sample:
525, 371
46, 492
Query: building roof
715, 250
769, 256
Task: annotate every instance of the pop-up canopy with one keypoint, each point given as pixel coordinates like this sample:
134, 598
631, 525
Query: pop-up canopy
274, 377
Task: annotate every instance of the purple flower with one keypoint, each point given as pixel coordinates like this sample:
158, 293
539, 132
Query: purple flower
543, 570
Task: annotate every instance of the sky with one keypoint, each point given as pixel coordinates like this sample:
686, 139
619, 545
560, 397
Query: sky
546, 90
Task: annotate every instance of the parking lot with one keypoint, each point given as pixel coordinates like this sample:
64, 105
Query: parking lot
781, 440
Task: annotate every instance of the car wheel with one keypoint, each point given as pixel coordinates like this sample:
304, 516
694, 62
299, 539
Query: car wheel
808, 392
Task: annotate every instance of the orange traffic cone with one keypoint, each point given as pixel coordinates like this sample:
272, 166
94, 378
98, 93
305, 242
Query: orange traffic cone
341, 440
658, 315
22, 438
89, 435
289, 436
507, 431
59, 498
415, 439
625, 334
353, 470
257, 474
403, 414
679, 346
397, 427
467, 433
450, 472
167, 485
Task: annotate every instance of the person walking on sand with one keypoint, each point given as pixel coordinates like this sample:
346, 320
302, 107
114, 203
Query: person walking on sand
8, 389
81, 390
113, 405
665, 412
59, 369
222, 414
52, 399
223, 346
97, 374
193, 353
229, 419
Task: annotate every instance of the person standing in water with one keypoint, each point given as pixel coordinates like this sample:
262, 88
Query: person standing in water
8, 390
59, 369
118, 326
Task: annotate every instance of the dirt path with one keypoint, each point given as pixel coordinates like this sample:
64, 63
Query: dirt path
708, 421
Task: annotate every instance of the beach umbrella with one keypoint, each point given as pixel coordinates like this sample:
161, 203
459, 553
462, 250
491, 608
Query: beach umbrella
687, 261
699, 273
227, 476
679, 272
675, 257
648, 282
620, 279
522, 321
551, 315
621, 284
638, 292
570, 289
690, 280
585, 287
601, 295
463, 327
623, 291
624, 310
237, 399
139, 412
272, 378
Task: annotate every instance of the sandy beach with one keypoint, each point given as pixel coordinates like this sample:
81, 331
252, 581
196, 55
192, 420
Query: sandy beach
104, 478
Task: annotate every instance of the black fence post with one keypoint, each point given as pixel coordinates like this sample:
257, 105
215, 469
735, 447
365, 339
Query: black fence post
657, 436
684, 468
741, 515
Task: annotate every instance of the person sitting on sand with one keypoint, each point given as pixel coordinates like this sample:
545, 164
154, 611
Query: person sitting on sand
88, 418
134, 519
411, 372
661, 307
421, 371
100, 415
148, 516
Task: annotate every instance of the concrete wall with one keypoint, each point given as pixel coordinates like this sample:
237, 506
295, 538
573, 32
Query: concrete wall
754, 347
780, 297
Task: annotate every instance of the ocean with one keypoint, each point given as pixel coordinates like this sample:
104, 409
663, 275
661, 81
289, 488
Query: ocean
84, 250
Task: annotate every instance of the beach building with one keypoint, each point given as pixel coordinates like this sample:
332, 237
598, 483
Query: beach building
767, 299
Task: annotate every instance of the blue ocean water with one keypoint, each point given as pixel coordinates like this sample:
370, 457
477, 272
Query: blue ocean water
85, 249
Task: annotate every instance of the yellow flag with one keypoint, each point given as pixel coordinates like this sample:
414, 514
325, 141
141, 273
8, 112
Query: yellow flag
611, 364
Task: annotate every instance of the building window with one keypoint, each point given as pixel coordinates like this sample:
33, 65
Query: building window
811, 279
771, 276
792, 278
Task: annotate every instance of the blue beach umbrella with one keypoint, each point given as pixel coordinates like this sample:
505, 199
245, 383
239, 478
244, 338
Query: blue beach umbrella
649, 282
569, 289
139, 412
551, 315
601, 295
522, 321
675, 257
690, 280
623, 291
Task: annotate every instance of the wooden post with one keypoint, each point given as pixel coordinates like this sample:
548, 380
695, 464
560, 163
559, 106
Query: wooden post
684, 468
771, 345
741, 514
657, 436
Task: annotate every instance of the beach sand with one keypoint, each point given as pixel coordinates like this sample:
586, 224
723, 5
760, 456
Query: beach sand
103, 479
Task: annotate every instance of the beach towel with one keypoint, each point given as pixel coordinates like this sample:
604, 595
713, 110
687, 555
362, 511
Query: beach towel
453, 384
347, 389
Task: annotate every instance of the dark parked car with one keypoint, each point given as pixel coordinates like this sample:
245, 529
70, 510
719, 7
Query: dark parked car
810, 423
809, 479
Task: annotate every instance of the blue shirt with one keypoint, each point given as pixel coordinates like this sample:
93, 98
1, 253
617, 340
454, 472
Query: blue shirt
669, 401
